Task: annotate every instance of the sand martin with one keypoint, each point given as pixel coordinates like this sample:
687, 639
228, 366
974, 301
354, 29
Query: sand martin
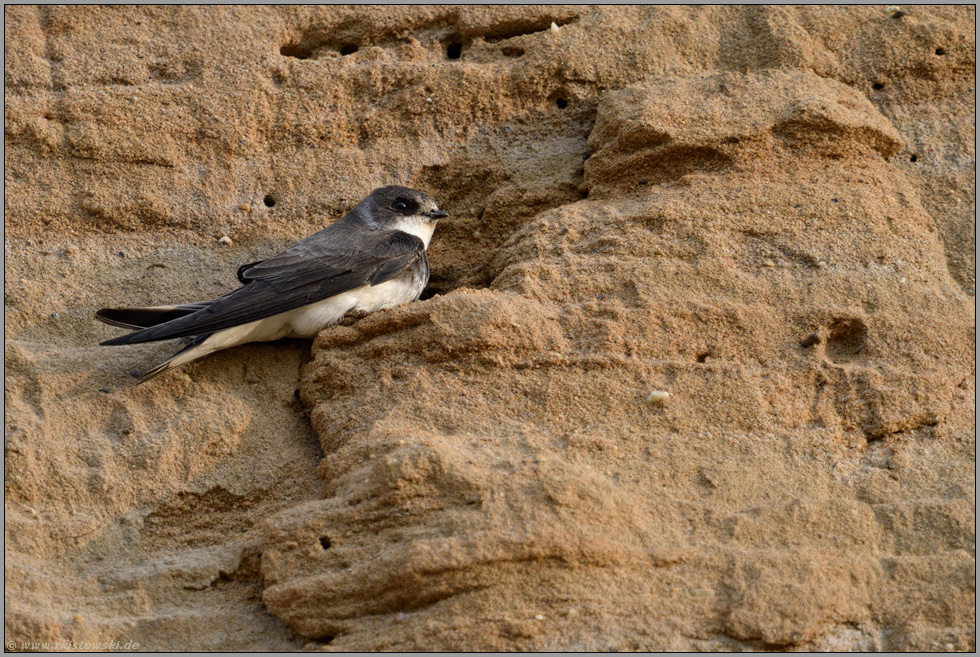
372, 258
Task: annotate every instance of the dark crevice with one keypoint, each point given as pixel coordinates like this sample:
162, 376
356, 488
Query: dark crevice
343, 39
313, 45
878, 86
269, 200
325, 542
451, 278
846, 338
296, 50
429, 292
875, 431
510, 31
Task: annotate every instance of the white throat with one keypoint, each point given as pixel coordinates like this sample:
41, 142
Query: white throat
421, 227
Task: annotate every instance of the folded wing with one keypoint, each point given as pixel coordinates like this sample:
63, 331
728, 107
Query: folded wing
308, 272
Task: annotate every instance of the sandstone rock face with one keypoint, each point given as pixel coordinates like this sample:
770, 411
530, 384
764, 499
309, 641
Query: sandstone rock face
767, 212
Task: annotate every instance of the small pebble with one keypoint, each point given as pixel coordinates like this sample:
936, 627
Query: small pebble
539, 616
643, 181
77, 618
428, 100
658, 397
768, 263
71, 250
822, 264
555, 28
136, 373
244, 207
104, 391
810, 340
902, 281
572, 613
224, 239
477, 233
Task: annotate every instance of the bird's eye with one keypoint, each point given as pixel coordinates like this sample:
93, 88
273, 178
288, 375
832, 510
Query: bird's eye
400, 205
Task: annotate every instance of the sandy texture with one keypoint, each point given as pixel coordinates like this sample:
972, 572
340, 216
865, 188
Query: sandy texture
767, 213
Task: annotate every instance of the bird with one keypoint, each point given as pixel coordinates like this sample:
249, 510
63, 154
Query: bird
372, 258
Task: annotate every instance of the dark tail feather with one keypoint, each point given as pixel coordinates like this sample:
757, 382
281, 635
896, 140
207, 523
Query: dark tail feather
138, 318
174, 361
148, 318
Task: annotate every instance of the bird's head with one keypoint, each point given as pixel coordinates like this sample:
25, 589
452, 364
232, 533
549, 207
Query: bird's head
394, 205
401, 208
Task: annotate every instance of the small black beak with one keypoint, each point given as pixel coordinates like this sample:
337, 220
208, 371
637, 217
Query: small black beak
436, 214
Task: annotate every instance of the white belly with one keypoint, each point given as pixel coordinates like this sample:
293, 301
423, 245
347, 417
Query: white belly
307, 321
303, 322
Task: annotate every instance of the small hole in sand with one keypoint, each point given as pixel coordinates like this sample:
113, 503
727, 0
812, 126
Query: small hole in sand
914, 158
325, 542
846, 338
295, 50
512, 51
454, 50
561, 103
269, 200
877, 86
940, 51
348, 49
703, 356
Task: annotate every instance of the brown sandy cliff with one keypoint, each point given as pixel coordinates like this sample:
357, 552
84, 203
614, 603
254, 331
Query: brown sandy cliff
647, 198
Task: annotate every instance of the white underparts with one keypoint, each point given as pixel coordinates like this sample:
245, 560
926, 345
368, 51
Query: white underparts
309, 320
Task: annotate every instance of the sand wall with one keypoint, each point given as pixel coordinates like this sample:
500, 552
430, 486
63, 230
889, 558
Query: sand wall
766, 212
